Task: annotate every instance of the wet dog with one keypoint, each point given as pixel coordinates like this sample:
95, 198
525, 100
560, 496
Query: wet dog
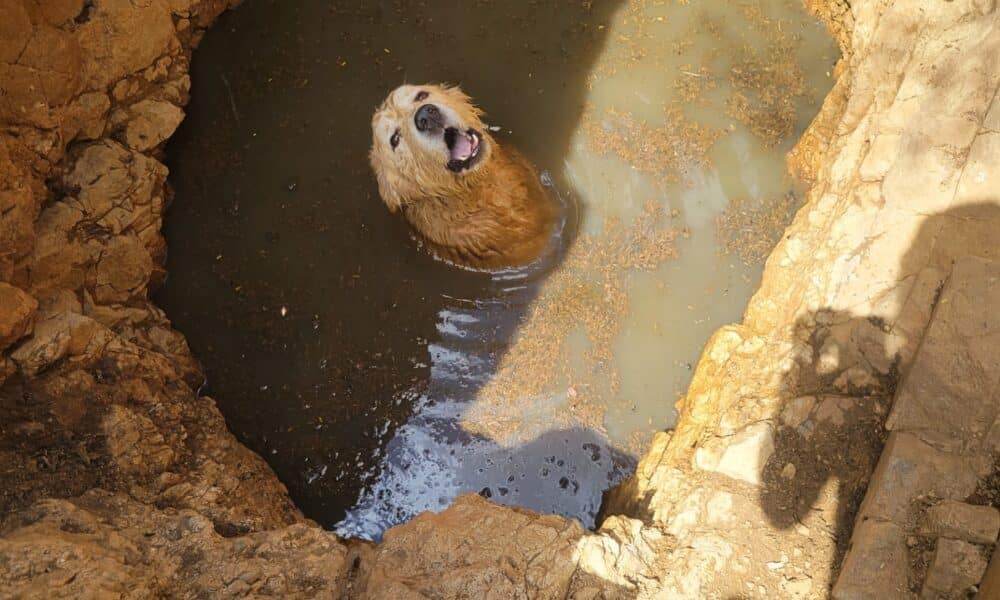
474, 202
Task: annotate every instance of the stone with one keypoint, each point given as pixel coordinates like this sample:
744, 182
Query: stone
880, 157
478, 550
65, 334
948, 397
984, 7
797, 589
106, 545
15, 30
622, 555
747, 453
150, 123
961, 521
719, 508
123, 270
741, 456
135, 443
876, 565
797, 411
990, 586
909, 470
110, 33
957, 566
17, 314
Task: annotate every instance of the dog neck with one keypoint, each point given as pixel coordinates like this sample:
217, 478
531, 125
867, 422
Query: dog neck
499, 216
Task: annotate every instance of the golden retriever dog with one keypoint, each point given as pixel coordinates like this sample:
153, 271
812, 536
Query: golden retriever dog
472, 201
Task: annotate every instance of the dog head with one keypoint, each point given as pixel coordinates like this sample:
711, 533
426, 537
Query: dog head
428, 140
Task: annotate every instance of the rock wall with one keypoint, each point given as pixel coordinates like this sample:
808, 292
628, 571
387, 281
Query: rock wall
118, 479
97, 391
786, 411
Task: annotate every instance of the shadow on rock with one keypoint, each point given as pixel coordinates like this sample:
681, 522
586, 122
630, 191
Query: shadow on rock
829, 434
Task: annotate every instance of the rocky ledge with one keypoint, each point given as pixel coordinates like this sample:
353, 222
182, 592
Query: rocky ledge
119, 480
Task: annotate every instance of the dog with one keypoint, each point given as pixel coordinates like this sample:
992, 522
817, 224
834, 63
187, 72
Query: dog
475, 203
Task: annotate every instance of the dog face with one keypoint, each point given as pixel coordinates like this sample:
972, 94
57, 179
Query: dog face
428, 140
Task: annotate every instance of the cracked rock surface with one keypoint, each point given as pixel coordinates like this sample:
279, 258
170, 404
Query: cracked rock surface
117, 479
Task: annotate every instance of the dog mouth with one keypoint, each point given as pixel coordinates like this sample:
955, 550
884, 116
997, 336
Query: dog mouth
464, 148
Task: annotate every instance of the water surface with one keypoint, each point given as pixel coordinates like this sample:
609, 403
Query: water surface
379, 382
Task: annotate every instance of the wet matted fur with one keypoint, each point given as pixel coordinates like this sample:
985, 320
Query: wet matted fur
474, 202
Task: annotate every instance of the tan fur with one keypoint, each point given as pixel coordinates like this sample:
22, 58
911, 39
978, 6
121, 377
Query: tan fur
494, 215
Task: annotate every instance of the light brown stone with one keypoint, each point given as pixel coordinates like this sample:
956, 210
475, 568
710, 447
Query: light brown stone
150, 123
961, 521
876, 566
741, 456
64, 334
478, 550
957, 566
910, 470
990, 586
104, 545
17, 314
949, 396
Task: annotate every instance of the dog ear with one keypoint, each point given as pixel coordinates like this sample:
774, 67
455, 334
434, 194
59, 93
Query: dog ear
387, 185
388, 192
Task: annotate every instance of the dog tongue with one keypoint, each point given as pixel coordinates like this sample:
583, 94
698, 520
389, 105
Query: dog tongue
462, 148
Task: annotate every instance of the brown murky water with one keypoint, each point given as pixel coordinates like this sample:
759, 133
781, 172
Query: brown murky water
379, 382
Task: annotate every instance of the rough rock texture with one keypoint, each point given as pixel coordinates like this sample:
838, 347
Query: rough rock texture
941, 447
117, 479
17, 314
108, 545
97, 391
906, 180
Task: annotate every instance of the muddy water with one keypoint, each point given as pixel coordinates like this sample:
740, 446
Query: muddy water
379, 382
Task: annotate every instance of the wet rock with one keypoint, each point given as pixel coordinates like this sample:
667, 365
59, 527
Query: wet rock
17, 314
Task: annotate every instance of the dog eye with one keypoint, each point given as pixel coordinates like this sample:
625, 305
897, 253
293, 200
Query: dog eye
394, 140
421, 95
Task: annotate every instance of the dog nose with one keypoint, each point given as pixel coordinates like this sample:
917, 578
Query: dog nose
428, 118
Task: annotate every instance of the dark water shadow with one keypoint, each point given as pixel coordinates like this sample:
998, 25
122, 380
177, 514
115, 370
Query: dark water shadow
842, 438
313, 312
